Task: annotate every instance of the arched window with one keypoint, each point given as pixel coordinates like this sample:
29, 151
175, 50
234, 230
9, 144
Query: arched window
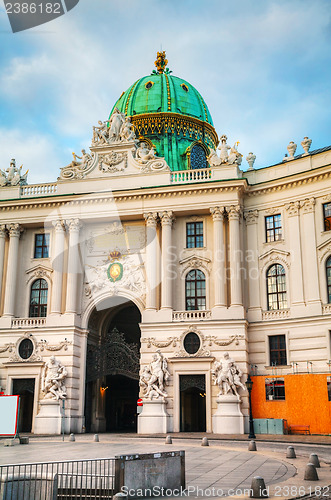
195, 287
328, 278
276, 287
198, 157
38, 299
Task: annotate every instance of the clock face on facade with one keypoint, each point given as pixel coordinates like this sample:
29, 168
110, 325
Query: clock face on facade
115, 271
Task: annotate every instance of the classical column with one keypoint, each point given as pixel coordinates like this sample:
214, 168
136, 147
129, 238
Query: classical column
166, 282
57, 265
12, 267
219, 256
74, 226
234, 213
310, 256
251, 218
151, 259
3, 234
294, 237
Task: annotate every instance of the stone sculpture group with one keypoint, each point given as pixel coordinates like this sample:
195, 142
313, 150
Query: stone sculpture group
13, 176
52, 382
226, 374
117, 129
154, 376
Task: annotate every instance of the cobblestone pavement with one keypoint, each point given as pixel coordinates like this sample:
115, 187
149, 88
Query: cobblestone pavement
224, 468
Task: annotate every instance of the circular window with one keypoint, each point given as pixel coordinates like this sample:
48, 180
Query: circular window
192, 343
25, 349
149, 85
184, 87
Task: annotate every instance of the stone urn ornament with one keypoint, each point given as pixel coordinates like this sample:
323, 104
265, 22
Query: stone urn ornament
306, 143
291, 148
250, 158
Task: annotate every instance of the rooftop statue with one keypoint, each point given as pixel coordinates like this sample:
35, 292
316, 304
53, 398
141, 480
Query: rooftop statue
143, 154
154, 376
306, 143
116, 121
52, 383
13, 176
224, 148
100, 133
235, 156
226, 374
213, 159
127, 130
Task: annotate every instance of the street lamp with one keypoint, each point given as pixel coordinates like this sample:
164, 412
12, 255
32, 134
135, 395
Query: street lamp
249, 385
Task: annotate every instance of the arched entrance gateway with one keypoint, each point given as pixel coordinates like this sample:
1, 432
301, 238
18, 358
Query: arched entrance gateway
112, 367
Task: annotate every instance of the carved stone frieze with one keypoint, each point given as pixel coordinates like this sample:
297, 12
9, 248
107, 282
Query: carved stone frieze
212, 339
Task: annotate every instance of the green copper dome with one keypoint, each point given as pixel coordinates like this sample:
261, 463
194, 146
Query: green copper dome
170, 114
163, 93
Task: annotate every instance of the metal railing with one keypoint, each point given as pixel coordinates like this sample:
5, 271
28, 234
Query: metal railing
71, 480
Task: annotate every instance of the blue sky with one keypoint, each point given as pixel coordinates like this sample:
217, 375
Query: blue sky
262, 66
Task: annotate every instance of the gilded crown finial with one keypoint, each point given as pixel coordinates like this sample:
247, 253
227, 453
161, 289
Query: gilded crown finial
161, 61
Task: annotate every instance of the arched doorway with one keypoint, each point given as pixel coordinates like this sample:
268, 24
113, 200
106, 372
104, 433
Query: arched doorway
112, 368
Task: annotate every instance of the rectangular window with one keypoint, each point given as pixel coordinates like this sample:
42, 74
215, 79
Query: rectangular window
273, 228
327, 216
328, 381
274, 389
277, 349
41, 246
194, 235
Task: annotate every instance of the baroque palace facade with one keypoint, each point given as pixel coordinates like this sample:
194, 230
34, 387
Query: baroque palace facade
157, 243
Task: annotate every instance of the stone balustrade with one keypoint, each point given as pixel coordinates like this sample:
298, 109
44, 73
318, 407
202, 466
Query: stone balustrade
28, 322
38, 189
191, 315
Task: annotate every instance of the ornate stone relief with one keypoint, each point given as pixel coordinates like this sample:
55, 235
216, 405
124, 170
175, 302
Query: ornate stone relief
273, 256
125, 272
194, 262
13, 176
38, 272
113, 162
36, 348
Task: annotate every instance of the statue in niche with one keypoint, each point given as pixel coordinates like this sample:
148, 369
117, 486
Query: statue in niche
154, 376
52, 382
224, 148
116, 121
143, 154
235, 156
226, 374
100, 133
127, 132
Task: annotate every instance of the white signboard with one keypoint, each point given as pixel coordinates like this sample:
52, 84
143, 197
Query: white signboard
8, 415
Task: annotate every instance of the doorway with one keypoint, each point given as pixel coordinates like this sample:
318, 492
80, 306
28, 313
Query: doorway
192, 403
112, 371
24, 387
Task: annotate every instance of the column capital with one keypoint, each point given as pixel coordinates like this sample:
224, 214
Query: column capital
234, 212
59, 225
292, 208
166, 217
151, 219
308, 205
251, 217
3, 231
14, 230
74, 225
217, 213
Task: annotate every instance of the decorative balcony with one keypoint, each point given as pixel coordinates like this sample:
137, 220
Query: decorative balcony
38, 190
28, 322
191, 315
278, 314
197, 175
